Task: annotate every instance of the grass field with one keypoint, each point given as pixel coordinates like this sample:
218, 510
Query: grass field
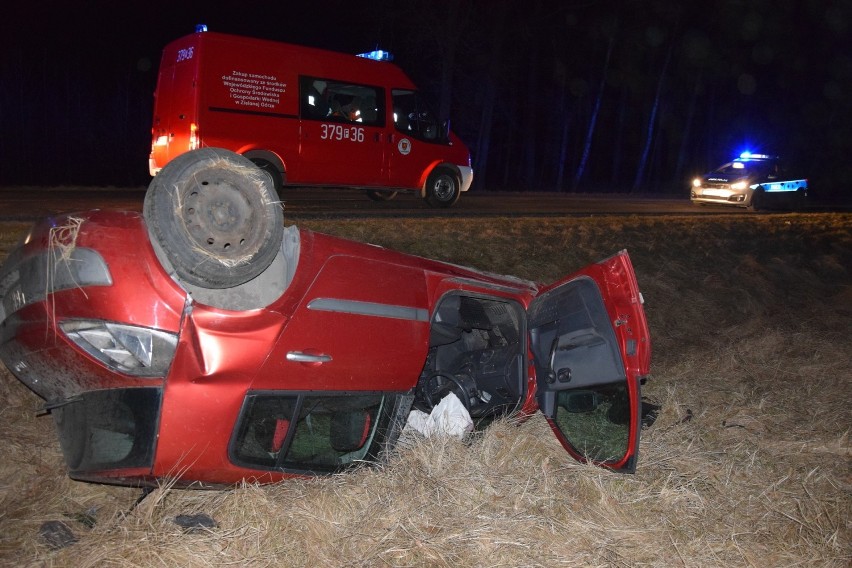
748, 463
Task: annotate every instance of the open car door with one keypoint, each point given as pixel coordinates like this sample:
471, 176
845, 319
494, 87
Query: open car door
591, 349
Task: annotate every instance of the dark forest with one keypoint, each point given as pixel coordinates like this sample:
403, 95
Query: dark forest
574, 96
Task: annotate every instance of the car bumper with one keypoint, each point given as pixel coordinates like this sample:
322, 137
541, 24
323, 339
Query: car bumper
466, 177
724, 196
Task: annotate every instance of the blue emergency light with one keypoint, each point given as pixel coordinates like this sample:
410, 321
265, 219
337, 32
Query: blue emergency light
200, 28
749, 156
377, 55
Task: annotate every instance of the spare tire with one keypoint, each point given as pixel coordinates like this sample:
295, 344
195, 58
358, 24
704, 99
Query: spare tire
215, 216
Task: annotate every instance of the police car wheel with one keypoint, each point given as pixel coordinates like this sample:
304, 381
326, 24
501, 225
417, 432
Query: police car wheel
215, 216
442, 188
757, 200
381, 195
800, 200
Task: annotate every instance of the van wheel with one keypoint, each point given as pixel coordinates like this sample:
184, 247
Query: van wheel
442, 188
215, 217
274, 175
381, 195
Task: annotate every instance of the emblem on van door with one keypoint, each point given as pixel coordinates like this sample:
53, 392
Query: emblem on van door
404, 146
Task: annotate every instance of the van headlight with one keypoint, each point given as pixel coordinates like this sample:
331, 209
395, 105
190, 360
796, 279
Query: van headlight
129, 349
696, 182
739, 185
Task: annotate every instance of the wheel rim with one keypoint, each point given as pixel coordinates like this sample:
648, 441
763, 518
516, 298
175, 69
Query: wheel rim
444, 188
219, 220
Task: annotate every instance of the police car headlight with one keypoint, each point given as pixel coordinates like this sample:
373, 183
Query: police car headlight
739, 185
696, 182
137, 351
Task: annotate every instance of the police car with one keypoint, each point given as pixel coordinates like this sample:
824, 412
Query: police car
755, 181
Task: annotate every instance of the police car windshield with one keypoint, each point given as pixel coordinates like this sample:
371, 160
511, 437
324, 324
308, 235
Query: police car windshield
740, 167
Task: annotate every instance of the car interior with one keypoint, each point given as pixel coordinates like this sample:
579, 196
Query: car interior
476, 351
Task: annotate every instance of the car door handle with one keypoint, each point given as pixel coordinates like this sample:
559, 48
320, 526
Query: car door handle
301, 357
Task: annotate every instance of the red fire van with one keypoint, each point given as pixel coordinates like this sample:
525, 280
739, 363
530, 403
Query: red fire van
306, 116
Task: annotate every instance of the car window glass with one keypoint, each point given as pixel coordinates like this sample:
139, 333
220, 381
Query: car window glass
412, 115
309, 433
337, 101
744, 168
596, 421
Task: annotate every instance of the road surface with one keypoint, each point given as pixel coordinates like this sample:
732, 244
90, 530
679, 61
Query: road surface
30, 203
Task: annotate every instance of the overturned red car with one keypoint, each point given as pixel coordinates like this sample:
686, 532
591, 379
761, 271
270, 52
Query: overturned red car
204, 343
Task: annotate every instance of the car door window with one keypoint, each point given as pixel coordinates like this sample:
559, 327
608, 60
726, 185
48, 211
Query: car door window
306, 433
596, 421
413, 117
337, 101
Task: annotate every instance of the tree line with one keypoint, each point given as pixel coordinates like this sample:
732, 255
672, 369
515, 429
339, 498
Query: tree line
576, 95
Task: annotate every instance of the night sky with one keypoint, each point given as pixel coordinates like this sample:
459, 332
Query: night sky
549, 95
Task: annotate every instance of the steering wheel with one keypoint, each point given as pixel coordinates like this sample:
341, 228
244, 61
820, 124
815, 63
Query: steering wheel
429, 397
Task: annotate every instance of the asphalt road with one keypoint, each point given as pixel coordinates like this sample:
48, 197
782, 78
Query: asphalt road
30, 203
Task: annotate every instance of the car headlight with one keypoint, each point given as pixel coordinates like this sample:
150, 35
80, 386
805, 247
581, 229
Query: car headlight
739, 185
137, 351
696, 182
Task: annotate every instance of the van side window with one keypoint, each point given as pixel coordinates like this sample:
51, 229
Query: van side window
335, 101
412, 115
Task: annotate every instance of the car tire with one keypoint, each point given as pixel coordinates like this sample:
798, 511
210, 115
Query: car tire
800, 200
443, 188
215, 216
377, 195
758, 200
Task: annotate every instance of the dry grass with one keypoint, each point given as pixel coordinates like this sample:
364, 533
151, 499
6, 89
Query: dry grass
748, 463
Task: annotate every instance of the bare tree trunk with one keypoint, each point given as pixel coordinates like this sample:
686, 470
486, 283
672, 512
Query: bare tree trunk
452, 31
563, 144
617, 150
649, 135
530, 132
587, 145
687, 130
483, 142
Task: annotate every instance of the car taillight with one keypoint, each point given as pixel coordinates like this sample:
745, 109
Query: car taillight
133, 350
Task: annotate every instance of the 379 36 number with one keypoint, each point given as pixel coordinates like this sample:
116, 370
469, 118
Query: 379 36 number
185, 54
340, 132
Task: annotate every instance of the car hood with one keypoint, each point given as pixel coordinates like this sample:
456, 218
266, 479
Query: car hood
724, 178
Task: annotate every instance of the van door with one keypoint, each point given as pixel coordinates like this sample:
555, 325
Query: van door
591, 349
341, 133
416, 142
